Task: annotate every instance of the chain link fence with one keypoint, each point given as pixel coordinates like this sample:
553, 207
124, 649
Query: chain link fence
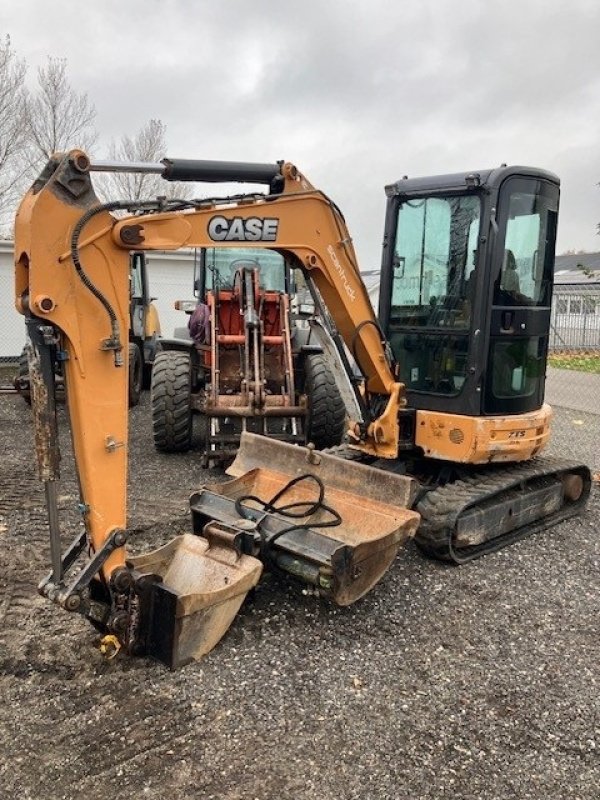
575, 319
573, 376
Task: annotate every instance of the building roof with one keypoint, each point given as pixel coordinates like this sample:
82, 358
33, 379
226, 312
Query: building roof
577, 278
577, 261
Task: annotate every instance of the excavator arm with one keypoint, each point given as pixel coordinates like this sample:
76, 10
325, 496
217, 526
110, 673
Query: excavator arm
71, 283
300, 222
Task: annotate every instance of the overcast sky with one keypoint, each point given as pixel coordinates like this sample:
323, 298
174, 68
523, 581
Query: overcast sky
357, 94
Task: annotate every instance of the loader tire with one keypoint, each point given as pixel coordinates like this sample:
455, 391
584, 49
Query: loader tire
22, 383
136, 374
171, 402
326, 416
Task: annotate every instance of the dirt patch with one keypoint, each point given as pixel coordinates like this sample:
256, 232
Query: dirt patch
442, 683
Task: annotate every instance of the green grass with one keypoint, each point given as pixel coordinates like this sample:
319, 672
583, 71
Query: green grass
583, 362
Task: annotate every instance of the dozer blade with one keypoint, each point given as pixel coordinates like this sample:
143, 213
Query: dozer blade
343, 562
190, 591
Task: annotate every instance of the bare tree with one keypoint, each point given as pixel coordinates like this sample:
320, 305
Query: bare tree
58, 118
148, 145
13, 128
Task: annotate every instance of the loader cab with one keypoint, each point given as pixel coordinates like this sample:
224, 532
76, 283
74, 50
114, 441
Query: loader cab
215, 268
466, 285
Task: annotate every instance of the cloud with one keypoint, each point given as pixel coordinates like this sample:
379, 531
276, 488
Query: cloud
356, 94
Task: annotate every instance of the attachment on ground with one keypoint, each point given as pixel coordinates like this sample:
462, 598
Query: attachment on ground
344, 562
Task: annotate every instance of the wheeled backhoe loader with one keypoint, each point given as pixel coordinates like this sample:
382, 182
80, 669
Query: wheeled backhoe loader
251, 363
448, 409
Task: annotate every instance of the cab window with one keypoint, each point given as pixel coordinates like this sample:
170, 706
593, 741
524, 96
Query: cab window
525, 274
436, 242
221, 267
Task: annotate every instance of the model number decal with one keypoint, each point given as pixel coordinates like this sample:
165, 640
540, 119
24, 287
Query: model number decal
516, 434
240, 229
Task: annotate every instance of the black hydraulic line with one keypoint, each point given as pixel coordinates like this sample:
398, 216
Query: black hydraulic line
83, 276
298, 510
117, 205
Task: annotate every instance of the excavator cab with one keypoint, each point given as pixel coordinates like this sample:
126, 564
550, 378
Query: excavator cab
466, 285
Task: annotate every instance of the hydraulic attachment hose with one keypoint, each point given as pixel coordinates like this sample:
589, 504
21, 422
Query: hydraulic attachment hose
297, 510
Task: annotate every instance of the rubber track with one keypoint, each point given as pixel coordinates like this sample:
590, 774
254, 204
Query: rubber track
441, 508
171, 411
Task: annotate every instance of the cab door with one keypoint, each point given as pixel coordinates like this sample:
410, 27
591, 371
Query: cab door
521, 294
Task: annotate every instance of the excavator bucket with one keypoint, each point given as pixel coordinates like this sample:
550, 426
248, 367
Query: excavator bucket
334, 524
193, 587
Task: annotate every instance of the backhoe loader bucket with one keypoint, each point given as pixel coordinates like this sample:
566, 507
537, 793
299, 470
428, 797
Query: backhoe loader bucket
196, 586
351, 535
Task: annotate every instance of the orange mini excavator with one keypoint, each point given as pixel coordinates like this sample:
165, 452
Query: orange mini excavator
448, 409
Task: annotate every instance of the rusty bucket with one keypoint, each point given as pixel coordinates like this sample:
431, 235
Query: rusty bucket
344, 561
197, 585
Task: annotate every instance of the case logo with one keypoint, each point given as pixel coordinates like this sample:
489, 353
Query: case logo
240, 229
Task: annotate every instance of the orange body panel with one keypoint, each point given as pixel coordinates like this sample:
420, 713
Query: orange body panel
481, 440
96, 389
152, 322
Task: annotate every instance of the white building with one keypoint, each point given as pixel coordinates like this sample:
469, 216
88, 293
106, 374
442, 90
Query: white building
171, 276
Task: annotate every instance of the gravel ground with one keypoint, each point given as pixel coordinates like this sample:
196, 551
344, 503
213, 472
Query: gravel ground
477, 682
